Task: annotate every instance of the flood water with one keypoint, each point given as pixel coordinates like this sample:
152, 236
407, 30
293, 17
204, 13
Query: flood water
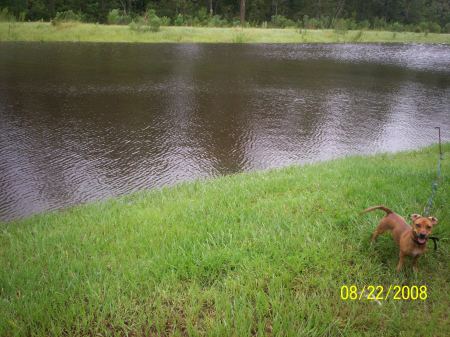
82, 122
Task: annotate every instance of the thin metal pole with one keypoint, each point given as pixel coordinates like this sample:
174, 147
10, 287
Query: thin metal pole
440, 146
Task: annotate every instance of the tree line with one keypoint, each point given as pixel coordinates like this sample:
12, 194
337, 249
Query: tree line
319, 13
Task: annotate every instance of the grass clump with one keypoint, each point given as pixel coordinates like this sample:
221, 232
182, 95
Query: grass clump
261, 254
240, 37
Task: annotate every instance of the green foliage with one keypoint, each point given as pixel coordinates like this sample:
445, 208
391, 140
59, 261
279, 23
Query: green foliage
307, 13
154, 22
315, 23
434, 27
67, 16
149, 23
179, 20
38, 11
379, 23
396, 27
352, 24
202, 17
365, 24
423, 27
447, 28
6, 16
117, 17
165, 21
22, 16
138, 24
217, 21
280, 21
341, 26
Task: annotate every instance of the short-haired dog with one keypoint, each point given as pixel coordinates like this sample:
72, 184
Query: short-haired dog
412, 240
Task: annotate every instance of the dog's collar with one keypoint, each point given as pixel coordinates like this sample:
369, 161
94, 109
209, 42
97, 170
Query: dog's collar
434, 238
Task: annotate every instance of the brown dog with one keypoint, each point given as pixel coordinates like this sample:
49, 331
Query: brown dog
412, 240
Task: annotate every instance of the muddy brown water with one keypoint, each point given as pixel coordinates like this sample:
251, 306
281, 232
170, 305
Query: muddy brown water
83, 122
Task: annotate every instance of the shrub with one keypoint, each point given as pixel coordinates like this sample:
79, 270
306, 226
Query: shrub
67, 16
217, 21
281, 21
195, 22
138, 24
6, 16
118, 17
154, 22
340, 26
324, 22
179, 20
351, 24
22, 16
305, 21
311, 23
415, 28
315, 23
165, 21
379, 23
396, 27
236, 23
447, 28
364, 24
434, 27
151, 22
202, 17
423, 27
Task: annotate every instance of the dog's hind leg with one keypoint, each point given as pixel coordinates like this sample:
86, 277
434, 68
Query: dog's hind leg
382, 227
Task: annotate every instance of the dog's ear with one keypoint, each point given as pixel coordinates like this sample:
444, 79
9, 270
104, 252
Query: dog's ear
434, 220
414, 217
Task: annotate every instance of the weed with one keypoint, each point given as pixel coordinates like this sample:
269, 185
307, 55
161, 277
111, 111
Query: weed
239, 37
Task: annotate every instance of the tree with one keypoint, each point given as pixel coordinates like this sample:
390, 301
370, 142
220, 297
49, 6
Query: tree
410, 12
242, 12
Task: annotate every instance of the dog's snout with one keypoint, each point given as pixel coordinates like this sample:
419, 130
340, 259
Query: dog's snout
422, 236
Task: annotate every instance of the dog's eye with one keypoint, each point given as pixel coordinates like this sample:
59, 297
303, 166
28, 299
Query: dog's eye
417, 224
428, 227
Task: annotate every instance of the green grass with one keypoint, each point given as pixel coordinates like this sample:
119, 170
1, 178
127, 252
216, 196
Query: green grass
81, 32
261, 253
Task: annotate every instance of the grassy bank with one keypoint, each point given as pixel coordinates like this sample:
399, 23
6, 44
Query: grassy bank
251, 254
81, 32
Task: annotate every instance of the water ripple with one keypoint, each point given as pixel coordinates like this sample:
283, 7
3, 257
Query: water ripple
84, 124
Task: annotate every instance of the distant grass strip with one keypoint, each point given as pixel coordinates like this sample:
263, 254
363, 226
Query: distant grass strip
261, 254
82, 32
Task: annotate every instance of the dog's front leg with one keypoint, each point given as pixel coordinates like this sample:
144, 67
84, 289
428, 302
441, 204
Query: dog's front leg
415, 260
401, 261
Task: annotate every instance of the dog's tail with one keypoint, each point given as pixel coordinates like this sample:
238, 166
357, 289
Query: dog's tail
383, 208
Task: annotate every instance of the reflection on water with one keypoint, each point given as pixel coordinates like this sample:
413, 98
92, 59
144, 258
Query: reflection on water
81, 122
